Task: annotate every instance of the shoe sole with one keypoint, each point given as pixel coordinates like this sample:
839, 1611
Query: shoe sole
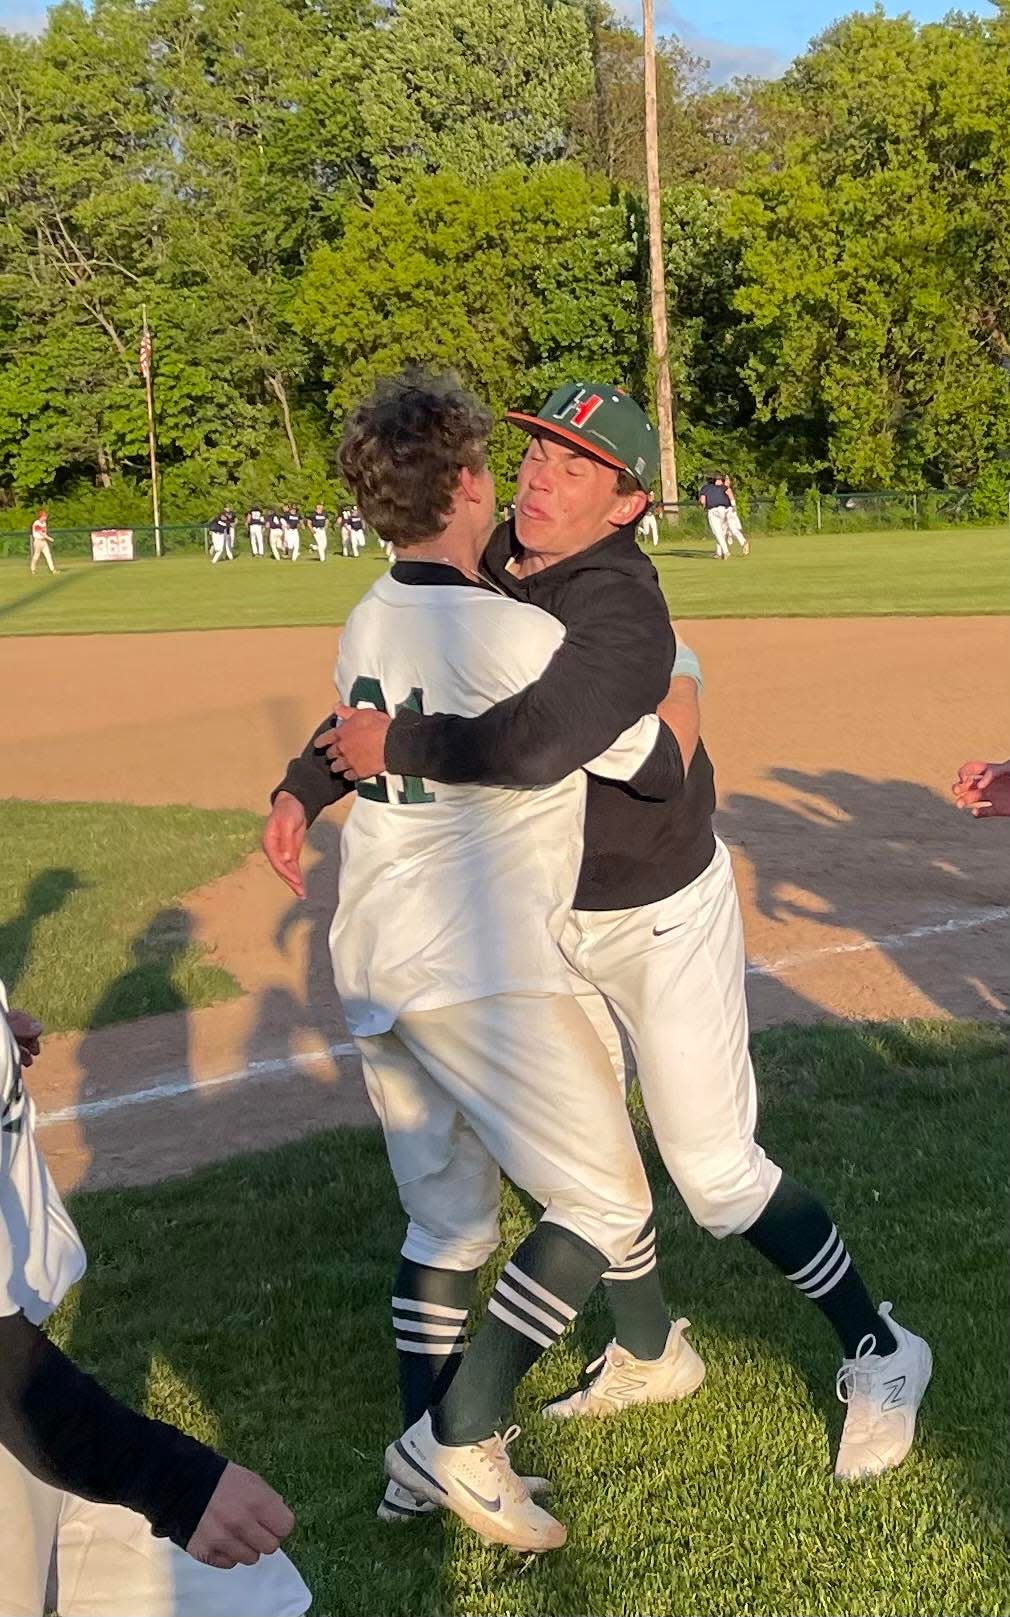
492, 1532
553, 1413
868, 1476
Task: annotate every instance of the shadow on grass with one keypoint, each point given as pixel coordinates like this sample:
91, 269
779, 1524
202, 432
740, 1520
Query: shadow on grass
263, 1284
44, 895
54, 586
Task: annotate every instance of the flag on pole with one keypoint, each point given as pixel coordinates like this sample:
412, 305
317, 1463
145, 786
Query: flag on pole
144, 356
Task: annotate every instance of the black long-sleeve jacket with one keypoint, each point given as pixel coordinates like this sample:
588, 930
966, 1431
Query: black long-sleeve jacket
613, 666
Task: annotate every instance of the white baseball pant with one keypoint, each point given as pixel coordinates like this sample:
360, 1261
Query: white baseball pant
649, 528
514, 1082
67, 1555
320, 541
734, 528
717, 515
217, 546
294, 542
256, 538
41, 552
673, 972
277, 543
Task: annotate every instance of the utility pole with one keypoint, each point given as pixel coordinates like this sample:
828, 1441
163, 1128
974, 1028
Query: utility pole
145, 371
665, 419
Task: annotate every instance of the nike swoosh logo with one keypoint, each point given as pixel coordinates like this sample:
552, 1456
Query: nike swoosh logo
661, 931
489, 1504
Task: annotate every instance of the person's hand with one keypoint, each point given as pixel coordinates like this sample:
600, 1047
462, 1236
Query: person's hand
27, 1033
356, 746
244, 1519
283, 837
983, 789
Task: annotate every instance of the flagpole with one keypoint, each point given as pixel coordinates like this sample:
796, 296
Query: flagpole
145, 366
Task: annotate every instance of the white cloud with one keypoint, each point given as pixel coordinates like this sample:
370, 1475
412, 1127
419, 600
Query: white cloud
726, 59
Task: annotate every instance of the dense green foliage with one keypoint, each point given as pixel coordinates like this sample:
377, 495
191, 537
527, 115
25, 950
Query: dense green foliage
306, 195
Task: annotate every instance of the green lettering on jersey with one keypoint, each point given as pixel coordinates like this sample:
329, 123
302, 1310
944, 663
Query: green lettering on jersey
367, 692
413, 785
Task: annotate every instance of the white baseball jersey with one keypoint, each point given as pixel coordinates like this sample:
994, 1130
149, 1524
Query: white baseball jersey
41, 1255
453, 893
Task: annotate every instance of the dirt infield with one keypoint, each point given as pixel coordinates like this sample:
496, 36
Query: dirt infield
834, 741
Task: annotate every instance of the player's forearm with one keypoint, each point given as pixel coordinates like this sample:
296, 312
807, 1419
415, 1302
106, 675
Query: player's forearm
605, 676
680, 712
310, 779
69, 1432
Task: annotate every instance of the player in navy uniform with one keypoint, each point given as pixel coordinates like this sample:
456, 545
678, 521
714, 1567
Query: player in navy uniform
320, 535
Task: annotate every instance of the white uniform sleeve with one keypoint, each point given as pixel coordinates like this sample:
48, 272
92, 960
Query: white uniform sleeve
625, 757
41, 1255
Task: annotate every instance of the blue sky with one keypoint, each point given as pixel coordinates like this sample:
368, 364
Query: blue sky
735, 36
739, 36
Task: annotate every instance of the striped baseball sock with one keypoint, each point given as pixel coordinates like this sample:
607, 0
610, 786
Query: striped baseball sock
430, 1312
541, 1290
641, 1317
795, 1233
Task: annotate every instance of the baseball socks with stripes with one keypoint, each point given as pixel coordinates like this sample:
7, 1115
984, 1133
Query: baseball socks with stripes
641, 1317
430, 1312
541, 1290
795, 1233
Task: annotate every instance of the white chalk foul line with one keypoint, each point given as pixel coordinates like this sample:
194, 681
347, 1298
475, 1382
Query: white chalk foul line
174, 1084
891, 940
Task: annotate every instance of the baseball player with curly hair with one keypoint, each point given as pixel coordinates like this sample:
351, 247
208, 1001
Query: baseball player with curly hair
656, 926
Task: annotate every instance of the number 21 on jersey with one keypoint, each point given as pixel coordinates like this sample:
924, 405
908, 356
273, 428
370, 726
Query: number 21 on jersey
367, 692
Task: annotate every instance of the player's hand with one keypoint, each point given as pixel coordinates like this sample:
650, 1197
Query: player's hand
983, 788
27, 1033
244, 1519
283, 838
356, 746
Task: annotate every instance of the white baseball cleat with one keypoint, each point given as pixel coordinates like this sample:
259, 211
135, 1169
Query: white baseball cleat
622, 1380
477, 1483
399, 1505
883, 1396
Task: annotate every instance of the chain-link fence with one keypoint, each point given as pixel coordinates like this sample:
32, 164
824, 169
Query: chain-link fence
814, 512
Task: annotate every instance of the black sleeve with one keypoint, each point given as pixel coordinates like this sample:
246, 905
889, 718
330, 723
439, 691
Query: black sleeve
310, 778
68, 1431
613, 667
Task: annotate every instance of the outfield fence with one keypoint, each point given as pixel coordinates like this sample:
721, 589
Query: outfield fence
812, 512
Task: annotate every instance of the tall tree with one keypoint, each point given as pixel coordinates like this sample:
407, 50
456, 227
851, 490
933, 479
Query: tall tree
515, 283
874, 254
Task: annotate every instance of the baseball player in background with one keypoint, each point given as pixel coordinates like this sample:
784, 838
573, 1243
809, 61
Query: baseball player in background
229, 539
40, 542
291, 518
254, 528
715, 503
218, 532
734, 529
275, 535
101, 1509
656, 925
475, 1054
320, 532
648, 528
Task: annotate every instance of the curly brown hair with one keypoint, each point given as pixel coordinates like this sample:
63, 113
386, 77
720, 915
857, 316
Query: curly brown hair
404, 447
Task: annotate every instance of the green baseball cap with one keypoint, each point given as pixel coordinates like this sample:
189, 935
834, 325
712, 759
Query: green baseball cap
605, 423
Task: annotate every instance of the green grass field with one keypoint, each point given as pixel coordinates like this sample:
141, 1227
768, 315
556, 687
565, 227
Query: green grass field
90, 928
965, 570
278, 1348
